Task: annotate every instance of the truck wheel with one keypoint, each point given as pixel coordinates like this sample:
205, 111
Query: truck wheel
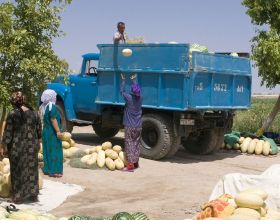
174, 147
103, 132
65, 125
156, 137
204, 142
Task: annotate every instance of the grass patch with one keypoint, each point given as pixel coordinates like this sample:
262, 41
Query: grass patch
251, 120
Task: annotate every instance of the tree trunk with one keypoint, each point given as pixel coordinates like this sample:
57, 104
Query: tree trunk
267, 123
2, 121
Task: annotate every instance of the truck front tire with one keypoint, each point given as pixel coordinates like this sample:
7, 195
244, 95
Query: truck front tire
204, 142
156, 137
103, 132
65, 125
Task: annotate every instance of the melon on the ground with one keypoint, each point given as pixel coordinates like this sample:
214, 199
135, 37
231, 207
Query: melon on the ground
66, 136
122, 216
65, 144
106, 145
117, 148
140, 216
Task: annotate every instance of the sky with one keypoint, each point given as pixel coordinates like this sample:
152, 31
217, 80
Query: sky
221, 25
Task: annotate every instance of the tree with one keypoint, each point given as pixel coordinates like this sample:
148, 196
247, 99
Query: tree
27, 60
266, 46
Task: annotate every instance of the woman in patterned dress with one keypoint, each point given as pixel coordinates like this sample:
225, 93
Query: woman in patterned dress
132, 122
21, 140
52, 145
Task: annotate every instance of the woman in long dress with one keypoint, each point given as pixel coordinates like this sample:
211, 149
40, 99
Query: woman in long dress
52, 145
132, 122
21, 140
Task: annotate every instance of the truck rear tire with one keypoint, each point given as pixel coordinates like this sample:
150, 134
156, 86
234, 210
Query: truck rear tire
103, 132
204, 142
156, 137
65, 125
174, 147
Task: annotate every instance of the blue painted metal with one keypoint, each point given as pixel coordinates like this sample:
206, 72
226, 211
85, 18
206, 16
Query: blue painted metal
170, 81
64, 92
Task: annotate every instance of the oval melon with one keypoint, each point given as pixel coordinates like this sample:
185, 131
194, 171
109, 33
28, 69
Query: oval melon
72, 143
236, 146
65, 144
244, 146
241, 139
112, 154
258, 192
119, 164
106, 145
252, 146
259, 147
247, 211
92, 159
122, 156
66, 136
117, 148
266, 148
248, 200
101, 159
110, 164
98, 148
241, 217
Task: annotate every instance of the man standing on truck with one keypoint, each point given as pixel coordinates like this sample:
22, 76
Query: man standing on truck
119, 37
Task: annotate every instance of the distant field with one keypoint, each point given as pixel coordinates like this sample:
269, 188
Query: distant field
250, 120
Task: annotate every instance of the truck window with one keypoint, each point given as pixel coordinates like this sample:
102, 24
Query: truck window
91, 68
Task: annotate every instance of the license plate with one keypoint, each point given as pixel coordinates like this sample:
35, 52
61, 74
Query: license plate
186, 121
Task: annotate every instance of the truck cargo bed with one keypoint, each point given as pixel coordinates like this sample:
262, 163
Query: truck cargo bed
171, 79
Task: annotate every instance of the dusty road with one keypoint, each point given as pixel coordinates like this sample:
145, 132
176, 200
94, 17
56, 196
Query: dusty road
171, 189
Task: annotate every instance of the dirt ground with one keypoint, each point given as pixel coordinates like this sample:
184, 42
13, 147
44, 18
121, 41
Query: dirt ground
171, 189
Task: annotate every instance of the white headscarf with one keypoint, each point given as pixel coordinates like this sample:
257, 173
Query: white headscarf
48, 99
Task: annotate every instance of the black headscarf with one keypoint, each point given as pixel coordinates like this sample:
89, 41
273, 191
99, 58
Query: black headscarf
17, 100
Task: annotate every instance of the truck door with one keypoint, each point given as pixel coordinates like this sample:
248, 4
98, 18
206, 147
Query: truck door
84, 88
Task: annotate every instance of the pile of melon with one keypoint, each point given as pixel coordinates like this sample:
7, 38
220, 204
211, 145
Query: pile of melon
249, 205
250, 146
105, 155
68, 145
5, 179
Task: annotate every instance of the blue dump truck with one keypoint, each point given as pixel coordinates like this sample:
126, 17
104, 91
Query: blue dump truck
189, 98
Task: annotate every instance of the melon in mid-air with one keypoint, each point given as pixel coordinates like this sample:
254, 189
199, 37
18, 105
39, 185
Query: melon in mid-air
127, 52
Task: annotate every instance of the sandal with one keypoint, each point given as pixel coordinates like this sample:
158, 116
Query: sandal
58, 175
52, 175
129, 168
11, 208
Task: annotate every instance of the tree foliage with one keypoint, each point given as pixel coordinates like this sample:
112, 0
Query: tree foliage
266, 47
27, 60
266, 43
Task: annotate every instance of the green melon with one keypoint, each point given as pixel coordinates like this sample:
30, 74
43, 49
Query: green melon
140, 216
122, 216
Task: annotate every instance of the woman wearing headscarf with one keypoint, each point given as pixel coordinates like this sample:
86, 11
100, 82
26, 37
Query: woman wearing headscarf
52, 145
21, 139
132, 122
